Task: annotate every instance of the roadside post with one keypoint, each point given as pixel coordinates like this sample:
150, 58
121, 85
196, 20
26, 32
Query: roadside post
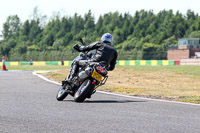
3, 64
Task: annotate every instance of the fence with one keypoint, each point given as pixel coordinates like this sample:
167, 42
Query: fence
119, 62
146, 62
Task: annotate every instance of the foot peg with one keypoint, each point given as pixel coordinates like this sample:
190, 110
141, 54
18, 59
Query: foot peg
65, 82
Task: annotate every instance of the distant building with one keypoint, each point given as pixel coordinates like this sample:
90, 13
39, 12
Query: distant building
187, 48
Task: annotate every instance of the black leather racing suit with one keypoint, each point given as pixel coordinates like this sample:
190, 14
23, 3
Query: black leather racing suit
104, 52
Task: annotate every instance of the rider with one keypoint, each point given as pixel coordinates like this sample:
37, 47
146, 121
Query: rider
104, 52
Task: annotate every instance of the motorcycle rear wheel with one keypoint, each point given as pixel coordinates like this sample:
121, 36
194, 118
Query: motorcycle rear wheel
62, 94
84, 91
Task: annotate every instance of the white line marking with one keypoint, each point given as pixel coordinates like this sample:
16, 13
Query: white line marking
121, 95
143, 98
44, 78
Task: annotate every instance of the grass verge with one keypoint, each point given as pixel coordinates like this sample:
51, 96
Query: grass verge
36, 68
178, 83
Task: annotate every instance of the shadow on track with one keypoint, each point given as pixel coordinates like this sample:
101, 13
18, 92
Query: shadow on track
107, 101
113, 101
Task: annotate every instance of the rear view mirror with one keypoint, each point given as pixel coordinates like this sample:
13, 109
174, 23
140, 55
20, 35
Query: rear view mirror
80, 40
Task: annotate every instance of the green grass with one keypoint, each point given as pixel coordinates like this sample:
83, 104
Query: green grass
191, 99
36, 68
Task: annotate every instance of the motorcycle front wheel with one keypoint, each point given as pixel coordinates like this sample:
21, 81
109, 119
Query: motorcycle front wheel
84, 91
61, 95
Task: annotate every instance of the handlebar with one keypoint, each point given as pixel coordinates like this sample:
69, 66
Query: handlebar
76, 47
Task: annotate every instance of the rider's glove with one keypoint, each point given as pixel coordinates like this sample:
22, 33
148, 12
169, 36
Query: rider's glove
77, 47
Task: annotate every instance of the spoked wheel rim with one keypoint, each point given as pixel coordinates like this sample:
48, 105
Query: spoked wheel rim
61, 91
61, 95
81, 89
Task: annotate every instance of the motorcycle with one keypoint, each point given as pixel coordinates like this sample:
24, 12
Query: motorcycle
89, 77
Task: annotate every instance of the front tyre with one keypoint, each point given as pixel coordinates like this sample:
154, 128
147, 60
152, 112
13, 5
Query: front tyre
84, 91
61, 93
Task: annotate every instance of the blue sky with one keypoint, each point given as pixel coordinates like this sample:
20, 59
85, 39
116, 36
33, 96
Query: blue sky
24, 8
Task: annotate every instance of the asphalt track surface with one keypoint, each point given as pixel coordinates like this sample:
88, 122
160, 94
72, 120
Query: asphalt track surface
28, 105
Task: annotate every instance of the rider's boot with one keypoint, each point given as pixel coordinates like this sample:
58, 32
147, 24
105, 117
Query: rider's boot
72, 74
70, 79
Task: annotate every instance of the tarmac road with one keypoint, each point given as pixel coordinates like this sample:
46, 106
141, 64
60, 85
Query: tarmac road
28, 105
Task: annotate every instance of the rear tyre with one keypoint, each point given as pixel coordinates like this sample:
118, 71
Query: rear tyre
84, 91
62, 94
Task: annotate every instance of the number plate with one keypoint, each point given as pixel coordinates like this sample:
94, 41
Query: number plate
97, 76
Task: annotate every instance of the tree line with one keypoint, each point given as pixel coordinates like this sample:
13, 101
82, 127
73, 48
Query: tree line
144, 35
